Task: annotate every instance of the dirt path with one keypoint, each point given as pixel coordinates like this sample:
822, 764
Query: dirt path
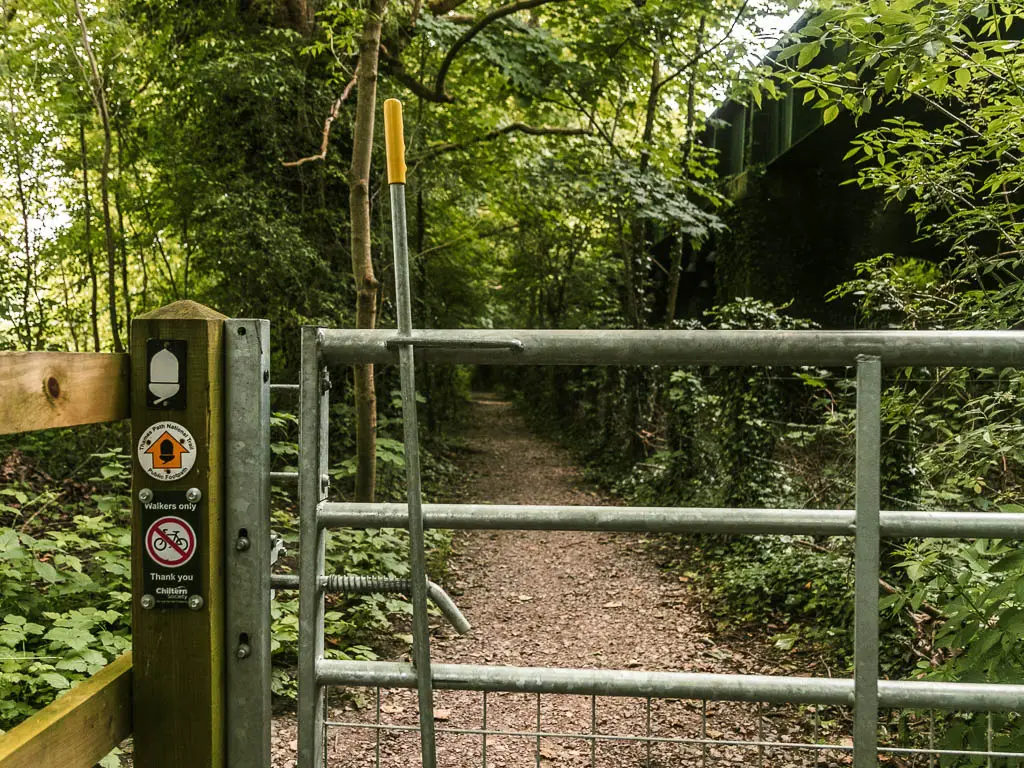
560, 599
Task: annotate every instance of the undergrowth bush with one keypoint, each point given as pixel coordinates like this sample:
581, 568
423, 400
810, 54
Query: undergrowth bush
65, 580
355, 626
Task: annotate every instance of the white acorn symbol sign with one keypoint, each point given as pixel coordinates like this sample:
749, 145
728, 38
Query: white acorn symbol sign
163, 375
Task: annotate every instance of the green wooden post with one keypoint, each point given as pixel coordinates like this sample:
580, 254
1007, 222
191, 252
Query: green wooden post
177, 537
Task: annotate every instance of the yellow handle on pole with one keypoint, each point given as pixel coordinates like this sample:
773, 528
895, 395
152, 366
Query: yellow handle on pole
394, 141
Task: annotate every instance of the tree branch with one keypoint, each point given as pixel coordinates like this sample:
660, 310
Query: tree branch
530, 130
700, 53
497, 13
327, 125
441, 7
437, 93
397, 70
460, 238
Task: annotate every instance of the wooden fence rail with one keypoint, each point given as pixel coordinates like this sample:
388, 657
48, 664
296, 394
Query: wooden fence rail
80, 727
43, 390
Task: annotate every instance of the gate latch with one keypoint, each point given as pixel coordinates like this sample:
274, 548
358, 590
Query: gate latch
277, 550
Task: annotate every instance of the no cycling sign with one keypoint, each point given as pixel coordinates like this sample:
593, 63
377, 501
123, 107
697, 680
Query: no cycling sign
171, 542
172, 569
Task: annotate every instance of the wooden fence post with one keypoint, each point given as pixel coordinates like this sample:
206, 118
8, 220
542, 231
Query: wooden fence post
177, 537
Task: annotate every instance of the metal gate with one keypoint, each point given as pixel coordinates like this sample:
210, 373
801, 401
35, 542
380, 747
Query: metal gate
867, 351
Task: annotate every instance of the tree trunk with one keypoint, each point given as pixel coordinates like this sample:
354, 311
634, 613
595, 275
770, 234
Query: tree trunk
24, 327
69, 316
635, 379
652, 113
89, 259
122, 240
100, 100
631, 307
108, 239
677, 256
187, 244
674, 273
362, 255
151, 223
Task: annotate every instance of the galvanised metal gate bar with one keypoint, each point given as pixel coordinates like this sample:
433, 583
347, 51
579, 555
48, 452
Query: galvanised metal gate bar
968, 349
868, 351
793, 522
893, 694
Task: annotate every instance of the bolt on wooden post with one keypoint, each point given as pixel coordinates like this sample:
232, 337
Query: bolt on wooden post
177, 537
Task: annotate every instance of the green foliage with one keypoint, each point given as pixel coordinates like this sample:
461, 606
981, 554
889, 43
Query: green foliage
720, 425
773, 438
65, 589
968, 450
950, 70
65, 580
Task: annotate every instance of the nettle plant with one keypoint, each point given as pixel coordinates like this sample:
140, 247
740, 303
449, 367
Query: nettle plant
950, 147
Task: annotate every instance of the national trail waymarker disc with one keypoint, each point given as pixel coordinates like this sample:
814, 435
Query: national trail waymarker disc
166, 451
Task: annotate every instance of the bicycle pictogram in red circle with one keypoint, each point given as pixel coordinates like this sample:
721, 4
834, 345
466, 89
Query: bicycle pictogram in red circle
171, 542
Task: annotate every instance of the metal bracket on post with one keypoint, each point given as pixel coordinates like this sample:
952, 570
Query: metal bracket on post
247, 528
277, 551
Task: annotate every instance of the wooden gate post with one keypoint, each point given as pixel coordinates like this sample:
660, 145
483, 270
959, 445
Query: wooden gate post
177, 537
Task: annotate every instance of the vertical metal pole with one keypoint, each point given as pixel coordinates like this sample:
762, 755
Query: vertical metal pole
703, 732
988, 739
647, 762
593, 731
483, 749
323, 389
247, 548
536, 752
395, 144
866, 566
760, 735
817, 735
931, 738
376, 750
312, 542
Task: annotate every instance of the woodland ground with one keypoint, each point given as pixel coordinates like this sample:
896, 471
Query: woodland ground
564, 599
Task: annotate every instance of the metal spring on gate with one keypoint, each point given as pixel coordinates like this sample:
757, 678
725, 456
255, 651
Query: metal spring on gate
364, 585
368, 585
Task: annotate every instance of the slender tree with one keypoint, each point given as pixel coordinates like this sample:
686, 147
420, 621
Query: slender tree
675, 272
97, 90
90, 259
361, 243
